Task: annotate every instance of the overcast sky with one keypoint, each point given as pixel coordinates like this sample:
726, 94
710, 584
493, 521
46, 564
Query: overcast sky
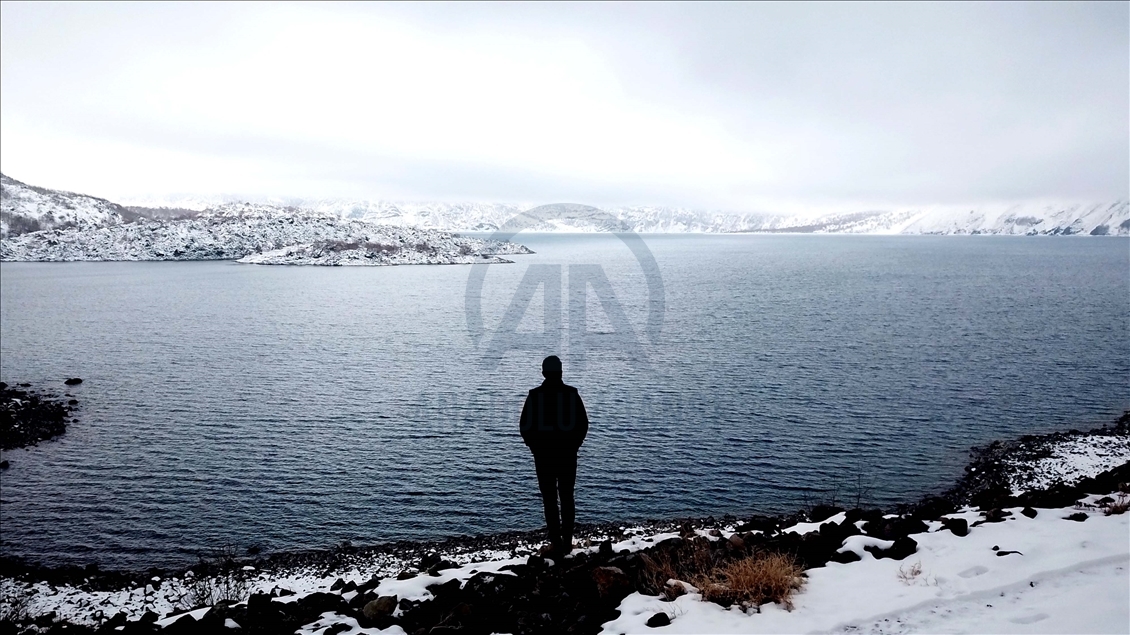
726, 106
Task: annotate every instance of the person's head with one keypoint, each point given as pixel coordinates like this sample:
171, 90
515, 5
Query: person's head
551, 367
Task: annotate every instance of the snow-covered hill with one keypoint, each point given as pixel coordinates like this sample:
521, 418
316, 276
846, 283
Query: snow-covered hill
1067, 218
26, 208
237, 231
1095, 219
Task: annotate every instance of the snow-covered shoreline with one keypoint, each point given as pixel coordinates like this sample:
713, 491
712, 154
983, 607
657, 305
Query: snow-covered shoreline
1025, 565
257, 235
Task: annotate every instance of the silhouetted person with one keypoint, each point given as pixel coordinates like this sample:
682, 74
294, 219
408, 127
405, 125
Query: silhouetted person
554, 425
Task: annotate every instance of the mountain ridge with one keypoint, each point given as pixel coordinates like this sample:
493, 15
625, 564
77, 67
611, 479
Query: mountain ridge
28, 208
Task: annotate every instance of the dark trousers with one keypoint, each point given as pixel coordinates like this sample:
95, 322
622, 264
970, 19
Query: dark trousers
557, 475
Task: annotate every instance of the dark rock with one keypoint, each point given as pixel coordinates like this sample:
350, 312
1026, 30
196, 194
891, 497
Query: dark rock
253, 550
258, 602
3, 465
337, 585
119, 619
441, 566
380, 607
673, 542
183, 624
1029, 512
764, 524
405, 574
313, 605
428, 561
821, 513
368, 585
845, 557
933, 508
903, 547
895, 528
959, 526
605, 549
72, 381
72, 402
1005, 552
659, 619
447, 588
996, 515
1077, 517
612, 583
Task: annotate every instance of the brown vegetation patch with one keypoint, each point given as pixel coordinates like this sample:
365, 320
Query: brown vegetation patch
746, 580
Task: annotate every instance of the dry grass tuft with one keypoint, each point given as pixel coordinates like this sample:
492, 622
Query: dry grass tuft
753, 581
910, 576
1119, 506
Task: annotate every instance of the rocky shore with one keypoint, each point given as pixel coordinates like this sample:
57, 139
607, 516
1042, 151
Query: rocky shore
28, 416
500, 584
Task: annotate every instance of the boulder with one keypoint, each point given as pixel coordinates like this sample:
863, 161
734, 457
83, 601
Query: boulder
611, 583
958, 526
71, 381
820, 513
996, 515
450, 587
380, 607
932, 508
659, 619
903, 547
844, 557
1029, 512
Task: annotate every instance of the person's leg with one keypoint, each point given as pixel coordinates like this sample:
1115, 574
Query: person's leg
566, 481
547, 483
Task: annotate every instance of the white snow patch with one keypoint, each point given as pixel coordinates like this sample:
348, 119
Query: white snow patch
1073, 577
1072, 459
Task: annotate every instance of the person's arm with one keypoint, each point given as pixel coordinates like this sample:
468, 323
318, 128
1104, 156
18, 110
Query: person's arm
526, 422
582, 421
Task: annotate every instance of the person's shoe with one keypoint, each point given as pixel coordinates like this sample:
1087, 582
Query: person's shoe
563, 548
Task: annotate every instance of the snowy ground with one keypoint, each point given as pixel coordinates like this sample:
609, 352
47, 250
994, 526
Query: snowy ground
1070, 577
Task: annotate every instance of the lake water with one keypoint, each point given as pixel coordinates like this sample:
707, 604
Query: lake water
289, 407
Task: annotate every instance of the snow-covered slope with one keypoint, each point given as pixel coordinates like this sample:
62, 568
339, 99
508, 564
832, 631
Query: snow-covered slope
236, 231
1095, 219
1069, 218
26, 208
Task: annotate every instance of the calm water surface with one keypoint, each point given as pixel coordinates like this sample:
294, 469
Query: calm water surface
289, 407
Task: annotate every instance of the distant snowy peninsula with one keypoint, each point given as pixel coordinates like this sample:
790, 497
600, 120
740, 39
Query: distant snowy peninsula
81, 228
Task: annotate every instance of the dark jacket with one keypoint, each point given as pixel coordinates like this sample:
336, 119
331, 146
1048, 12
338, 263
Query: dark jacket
554, 418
